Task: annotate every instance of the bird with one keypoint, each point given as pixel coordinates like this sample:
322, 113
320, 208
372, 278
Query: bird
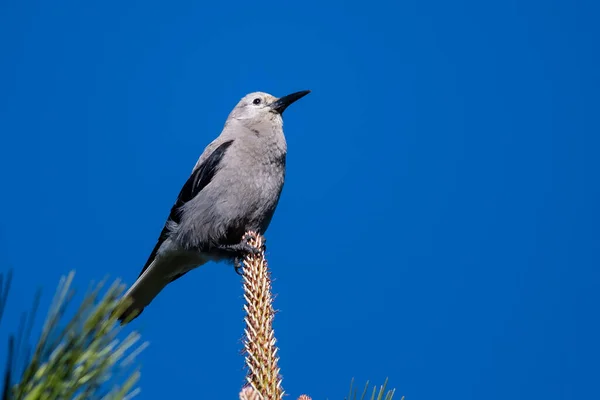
234, 188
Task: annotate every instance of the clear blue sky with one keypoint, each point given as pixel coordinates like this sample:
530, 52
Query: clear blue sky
439, 222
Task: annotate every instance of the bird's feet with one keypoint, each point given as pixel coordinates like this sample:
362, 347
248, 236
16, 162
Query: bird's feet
240, 250
249, 236
238, 266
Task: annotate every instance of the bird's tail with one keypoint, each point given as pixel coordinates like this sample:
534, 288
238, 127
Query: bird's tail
147, 286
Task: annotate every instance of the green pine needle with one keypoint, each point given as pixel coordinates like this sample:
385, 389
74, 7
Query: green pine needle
82, 360
376, 395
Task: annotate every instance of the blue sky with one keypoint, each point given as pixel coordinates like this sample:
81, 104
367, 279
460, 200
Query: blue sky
439, 222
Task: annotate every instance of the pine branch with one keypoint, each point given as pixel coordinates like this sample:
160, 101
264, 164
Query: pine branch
263, 375
80, 360
259, 337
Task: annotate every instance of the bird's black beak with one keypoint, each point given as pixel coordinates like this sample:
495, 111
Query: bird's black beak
281, 104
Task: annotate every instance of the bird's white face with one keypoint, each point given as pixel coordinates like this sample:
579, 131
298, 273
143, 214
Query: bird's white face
260, 111
255, 110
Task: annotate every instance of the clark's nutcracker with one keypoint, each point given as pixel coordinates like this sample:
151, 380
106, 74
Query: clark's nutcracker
234, 187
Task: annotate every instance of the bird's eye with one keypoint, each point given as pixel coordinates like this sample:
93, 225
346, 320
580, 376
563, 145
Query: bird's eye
256, 101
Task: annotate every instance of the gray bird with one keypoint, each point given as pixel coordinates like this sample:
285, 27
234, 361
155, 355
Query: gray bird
234, 187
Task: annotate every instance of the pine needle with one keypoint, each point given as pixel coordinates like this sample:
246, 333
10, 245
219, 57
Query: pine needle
81, 359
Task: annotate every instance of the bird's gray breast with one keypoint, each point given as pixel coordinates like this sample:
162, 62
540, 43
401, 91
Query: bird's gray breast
242, 195
256, 172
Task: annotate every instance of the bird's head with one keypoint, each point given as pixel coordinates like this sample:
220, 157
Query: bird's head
258, 108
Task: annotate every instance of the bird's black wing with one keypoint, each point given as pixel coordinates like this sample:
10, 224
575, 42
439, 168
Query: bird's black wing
200, 177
